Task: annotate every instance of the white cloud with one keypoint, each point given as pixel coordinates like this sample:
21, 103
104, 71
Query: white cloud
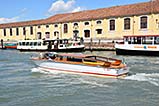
8, 20
63, 7
22, 13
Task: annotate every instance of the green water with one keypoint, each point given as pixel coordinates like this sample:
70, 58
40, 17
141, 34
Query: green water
19, 86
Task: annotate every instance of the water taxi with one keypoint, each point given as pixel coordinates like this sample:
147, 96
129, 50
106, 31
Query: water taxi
138, 45
84, 64
57, 45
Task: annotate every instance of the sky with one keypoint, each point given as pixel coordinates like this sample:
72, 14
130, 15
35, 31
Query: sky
25, 10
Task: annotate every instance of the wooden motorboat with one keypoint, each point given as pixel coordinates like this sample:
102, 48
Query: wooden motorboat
85, 64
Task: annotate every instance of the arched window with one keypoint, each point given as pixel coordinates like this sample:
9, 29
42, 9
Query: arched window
65, 28
112, 25
99, 22
55, 25
47, 26
86, 23
126, 23
143, 22
75, 24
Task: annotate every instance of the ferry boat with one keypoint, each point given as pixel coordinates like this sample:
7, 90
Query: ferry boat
84, 64
138, 45
57, 45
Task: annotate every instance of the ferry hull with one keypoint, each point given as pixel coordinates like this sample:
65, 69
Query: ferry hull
136, 52
55, 50
83, 69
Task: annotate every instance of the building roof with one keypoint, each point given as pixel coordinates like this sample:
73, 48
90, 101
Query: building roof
111, 12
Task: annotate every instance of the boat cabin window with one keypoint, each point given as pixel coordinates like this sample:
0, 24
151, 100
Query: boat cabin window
27, 43
23, 43
45, 43
31, 43
20, 43
89, 60
35, 43
39, 43
61, 45
73, 59
142, 40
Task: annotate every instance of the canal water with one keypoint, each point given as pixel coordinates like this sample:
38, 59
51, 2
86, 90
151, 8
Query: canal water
21, 86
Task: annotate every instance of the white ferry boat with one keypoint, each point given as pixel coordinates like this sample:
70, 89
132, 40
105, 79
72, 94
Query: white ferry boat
58, 45
83, 64
138, 45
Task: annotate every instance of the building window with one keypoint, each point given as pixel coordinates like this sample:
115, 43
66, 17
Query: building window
4, 31
55, 25
75, 24
65, 28
47, 35
24, 31
17, 31
39, 26
99, 22
143, 22
47, 26
112, 25
99, 31
56, 33
126, 23
86, 33
31, 30
11, 32
39, 35
86, 23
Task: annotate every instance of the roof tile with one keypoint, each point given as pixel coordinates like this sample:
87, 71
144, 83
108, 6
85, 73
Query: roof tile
116, 11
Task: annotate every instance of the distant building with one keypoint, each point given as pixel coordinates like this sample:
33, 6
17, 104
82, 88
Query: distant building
104, 23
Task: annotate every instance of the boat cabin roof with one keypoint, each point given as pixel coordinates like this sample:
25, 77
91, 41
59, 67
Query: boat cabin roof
141, 36
30, 41
91, 57
78, 55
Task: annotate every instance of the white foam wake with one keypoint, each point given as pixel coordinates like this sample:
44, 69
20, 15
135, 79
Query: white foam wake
152, 78
39, 70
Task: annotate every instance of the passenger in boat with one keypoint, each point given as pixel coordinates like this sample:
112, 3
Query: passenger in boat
44, 56
41, 56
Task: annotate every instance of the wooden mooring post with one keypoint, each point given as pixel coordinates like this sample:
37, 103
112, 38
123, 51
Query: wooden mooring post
2, 46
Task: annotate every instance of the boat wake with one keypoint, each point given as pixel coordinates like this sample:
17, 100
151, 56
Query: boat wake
38, 70
152, 78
